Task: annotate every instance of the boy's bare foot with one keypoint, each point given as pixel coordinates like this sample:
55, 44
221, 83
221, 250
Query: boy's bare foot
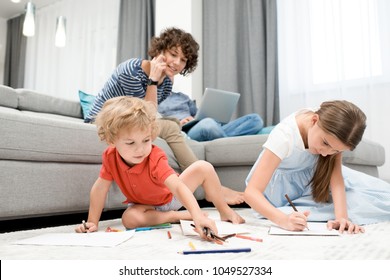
232, 216
232, 197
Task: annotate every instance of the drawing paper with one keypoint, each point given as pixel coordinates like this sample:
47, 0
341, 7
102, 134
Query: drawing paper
315, 228
93, 239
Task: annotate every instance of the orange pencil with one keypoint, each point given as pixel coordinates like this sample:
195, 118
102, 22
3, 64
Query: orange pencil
169, 235
249, 238
109, 229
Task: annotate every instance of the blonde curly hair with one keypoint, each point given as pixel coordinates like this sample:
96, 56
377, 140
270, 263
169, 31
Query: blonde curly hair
125, 112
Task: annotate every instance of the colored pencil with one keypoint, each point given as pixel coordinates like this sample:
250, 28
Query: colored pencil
85, 226
237, 250
191, 245
249, 238
166, 225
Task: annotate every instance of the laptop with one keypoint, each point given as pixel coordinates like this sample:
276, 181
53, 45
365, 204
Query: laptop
217, 104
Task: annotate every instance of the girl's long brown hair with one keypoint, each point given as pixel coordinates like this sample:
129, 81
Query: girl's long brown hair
346, 122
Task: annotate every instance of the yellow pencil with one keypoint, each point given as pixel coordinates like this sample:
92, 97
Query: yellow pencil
192, 245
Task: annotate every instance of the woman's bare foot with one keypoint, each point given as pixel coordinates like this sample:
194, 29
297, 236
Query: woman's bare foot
232, 197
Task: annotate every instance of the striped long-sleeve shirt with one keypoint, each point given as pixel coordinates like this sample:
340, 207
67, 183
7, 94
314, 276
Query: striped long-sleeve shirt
128, 79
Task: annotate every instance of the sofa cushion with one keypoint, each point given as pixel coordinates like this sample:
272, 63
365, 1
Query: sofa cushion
8, 97
34, 136
33, 101
244, 150
234, 151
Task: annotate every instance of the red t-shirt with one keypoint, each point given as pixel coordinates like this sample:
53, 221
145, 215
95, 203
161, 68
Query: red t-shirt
144, 182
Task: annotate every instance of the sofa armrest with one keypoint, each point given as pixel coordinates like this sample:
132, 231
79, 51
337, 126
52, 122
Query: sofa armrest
366, 153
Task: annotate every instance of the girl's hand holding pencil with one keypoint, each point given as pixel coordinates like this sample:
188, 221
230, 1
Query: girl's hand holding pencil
296, 221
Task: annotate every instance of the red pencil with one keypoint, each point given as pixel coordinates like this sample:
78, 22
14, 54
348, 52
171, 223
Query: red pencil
169, 235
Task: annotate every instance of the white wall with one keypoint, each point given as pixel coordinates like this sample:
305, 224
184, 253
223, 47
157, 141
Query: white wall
3, 39
187, 15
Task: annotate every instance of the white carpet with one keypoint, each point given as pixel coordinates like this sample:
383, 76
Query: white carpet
155, 245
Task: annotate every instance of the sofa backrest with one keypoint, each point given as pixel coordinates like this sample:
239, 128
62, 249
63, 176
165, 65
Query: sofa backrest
29, 100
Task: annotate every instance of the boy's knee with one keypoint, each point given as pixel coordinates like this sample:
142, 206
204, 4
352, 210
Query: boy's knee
131, 218
205, 166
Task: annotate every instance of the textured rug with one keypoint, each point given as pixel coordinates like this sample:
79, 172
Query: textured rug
374, 244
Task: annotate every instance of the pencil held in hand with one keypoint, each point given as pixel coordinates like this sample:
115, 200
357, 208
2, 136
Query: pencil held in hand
293, 206
85, 225
291, 203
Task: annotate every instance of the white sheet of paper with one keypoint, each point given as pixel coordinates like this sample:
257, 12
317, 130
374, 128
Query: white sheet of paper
315, 228
222, 226
93, 239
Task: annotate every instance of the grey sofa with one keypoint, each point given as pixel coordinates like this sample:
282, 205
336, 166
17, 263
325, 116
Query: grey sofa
49, 158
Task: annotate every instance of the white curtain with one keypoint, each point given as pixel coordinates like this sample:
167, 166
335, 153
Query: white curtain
337, 49
89, 56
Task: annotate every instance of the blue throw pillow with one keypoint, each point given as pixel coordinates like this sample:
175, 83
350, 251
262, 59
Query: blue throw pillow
266, 130
86, 102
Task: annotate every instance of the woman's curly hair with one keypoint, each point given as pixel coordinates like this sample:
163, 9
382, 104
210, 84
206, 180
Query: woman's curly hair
175, 37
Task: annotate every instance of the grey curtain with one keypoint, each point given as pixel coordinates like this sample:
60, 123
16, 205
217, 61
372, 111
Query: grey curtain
240, 53
15, 53
136, 28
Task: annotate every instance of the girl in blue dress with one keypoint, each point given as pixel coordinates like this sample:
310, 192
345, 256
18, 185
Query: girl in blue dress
303, 159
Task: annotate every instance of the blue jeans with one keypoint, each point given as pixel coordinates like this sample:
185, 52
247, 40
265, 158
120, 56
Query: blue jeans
208, 129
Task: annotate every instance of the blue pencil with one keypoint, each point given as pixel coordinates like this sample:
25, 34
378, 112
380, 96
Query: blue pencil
238, 250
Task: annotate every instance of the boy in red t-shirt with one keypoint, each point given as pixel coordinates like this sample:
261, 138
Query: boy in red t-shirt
153, 190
